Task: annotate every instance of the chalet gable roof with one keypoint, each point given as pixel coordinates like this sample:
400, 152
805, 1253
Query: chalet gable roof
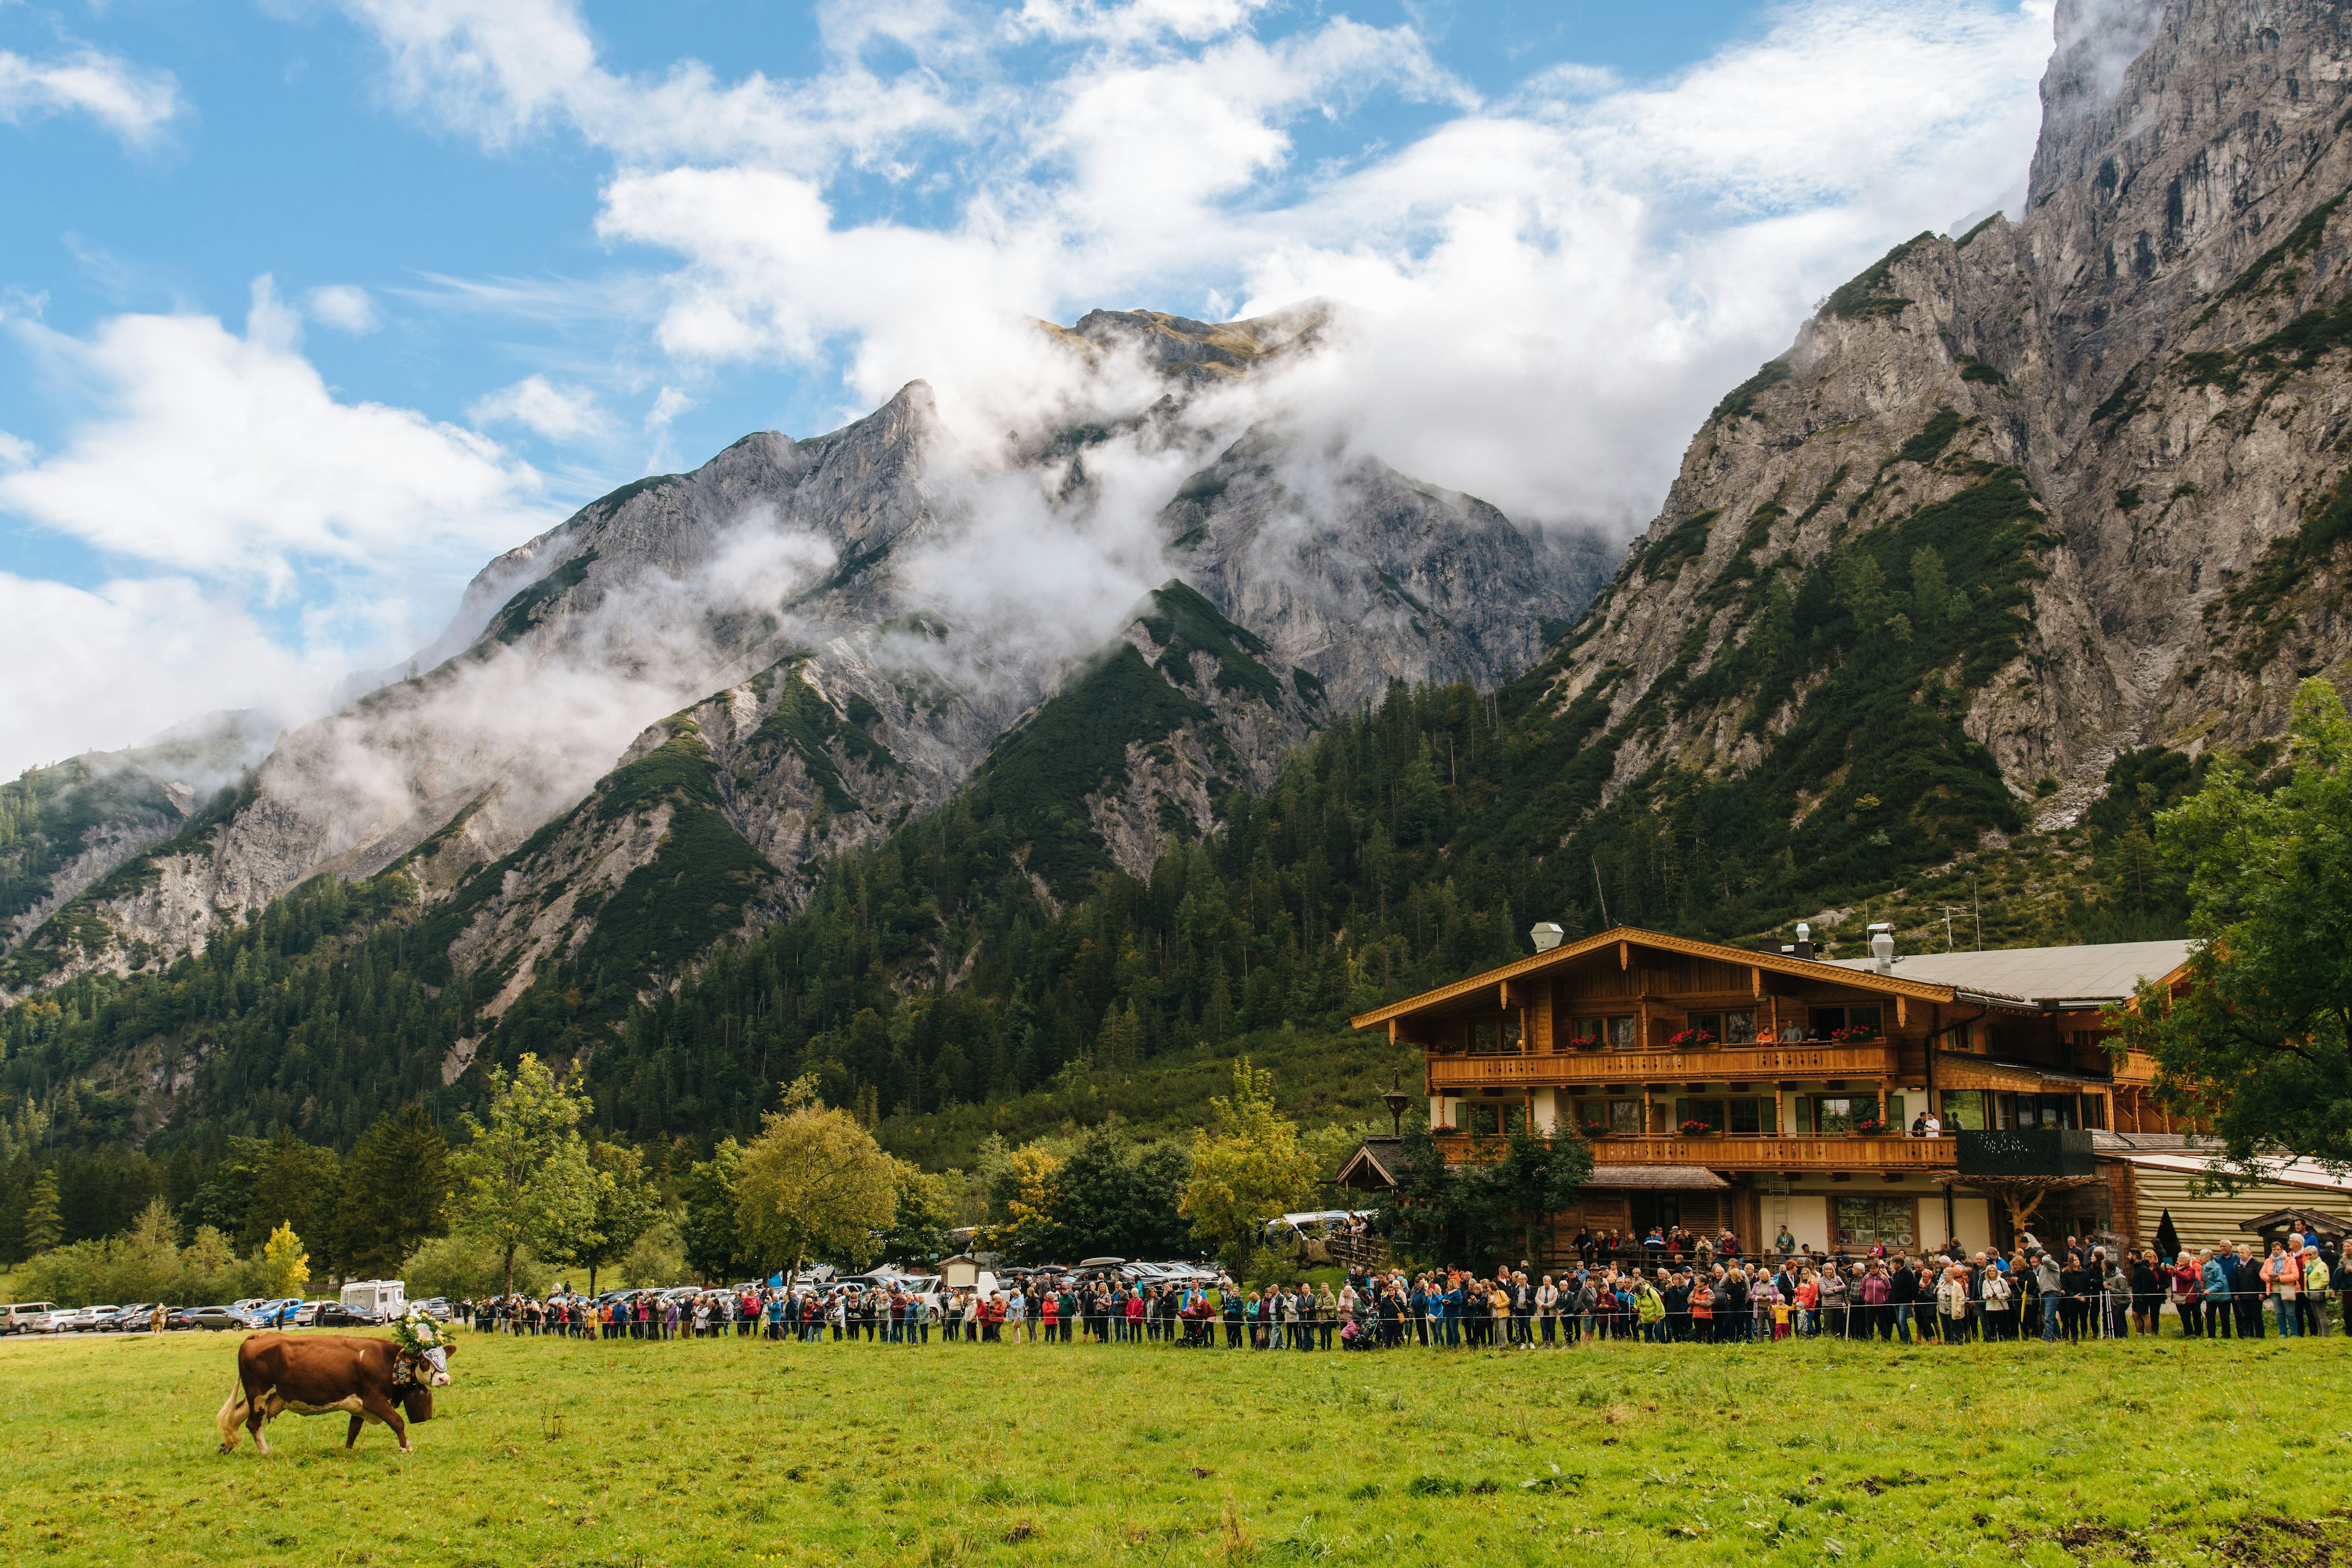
2087, 975
1570, 952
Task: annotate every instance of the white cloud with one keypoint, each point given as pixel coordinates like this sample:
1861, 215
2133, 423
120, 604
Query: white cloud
226, 455
669, 404
132, 102
134, 656
1550, 291
346, 307
558, 413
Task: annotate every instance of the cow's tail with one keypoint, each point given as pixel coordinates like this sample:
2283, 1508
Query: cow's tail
231, 1417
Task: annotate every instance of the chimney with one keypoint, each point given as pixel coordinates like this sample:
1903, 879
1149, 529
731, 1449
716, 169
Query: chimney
1882, 947
1804, 939
1545, 935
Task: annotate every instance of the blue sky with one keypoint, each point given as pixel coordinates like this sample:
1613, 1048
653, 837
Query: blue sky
308, 307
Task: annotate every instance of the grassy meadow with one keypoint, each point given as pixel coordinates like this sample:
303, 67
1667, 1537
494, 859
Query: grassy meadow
741, 1452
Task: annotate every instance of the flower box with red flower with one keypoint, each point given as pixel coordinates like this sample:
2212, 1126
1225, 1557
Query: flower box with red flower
1851, 1033
1690, 1040
1694, 1127
1868, 1127
1584, 1042
1444, 1130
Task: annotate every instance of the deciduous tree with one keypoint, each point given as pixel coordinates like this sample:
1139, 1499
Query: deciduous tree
524, 1178
2259, 1041
627, 1205
1248, 1165
283, 1268
813, 1184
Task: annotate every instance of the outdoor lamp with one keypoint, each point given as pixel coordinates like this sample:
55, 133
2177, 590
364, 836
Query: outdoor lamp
1396, 1099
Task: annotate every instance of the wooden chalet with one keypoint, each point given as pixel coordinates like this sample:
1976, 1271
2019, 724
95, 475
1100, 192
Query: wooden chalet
1724, 1087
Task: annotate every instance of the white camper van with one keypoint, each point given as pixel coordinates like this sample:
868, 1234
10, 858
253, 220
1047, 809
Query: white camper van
379, 1301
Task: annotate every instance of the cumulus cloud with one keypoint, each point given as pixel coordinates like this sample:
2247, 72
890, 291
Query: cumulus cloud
223, 454
134, 656
1549, 290
132, 102
567, 414
346, 307
255, 533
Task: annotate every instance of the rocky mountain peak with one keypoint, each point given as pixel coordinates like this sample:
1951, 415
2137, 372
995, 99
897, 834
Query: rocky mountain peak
2018, 501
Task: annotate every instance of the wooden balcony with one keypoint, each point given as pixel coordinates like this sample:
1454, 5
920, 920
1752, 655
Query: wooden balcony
1712, 1064
1743, 1152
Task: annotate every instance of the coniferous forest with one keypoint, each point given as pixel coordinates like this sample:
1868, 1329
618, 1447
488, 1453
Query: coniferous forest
936, 987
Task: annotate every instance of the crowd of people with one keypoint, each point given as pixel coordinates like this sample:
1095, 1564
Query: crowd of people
1706, 1292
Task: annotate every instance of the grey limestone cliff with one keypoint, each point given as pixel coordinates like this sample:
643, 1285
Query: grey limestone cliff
2141, 383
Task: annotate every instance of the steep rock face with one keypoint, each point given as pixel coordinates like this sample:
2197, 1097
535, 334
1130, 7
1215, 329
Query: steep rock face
1132, 751
1361, 575
2133, 396
778, 602
64, 830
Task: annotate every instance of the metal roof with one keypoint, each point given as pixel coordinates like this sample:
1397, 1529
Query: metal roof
2047, 977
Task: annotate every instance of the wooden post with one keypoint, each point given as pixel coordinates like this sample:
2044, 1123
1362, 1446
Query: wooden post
1625, 956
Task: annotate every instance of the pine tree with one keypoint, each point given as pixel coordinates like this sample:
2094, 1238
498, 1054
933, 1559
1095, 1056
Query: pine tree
43, 1229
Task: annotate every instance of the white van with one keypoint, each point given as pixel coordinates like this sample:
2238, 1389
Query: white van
380, 1299
27, 1317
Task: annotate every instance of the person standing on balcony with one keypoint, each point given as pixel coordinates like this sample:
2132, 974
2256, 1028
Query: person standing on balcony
1785, 1244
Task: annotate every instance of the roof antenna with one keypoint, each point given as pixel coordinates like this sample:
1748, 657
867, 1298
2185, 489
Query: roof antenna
1604, 897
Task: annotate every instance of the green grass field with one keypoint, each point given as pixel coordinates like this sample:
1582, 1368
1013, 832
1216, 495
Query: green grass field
563, 1452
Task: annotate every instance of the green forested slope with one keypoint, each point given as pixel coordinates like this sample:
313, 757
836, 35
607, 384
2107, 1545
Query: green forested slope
987, 967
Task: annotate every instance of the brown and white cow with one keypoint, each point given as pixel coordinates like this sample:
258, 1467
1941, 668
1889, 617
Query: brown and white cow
316, 1374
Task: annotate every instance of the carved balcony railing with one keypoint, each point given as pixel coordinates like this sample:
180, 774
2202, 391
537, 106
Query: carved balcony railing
1750, 1151
1709, 1064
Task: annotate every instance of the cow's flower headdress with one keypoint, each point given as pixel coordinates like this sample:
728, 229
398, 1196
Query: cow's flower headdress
415, 1333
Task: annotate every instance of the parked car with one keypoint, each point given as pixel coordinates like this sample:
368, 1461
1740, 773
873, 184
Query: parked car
138, 1320
306, 1315
79, 1320
436, 1308
223, 1317
335, 1315
25, 1317
121, 1318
